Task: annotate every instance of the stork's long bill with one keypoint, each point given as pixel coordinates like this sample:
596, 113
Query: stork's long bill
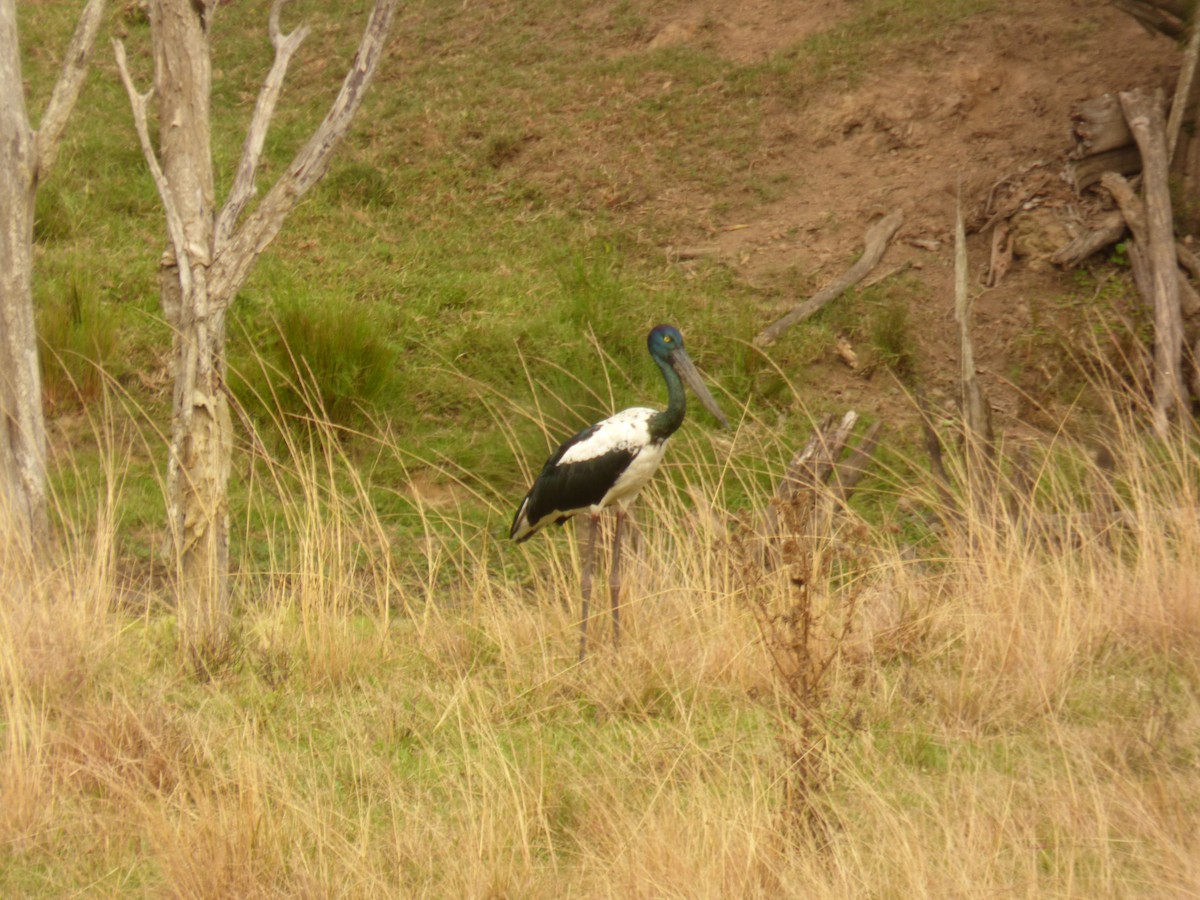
686, 369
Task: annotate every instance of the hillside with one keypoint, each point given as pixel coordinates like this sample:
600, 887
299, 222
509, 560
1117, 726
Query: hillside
905, 106
521, 179
976, 107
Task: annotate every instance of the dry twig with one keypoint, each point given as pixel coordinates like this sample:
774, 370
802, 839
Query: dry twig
877, 239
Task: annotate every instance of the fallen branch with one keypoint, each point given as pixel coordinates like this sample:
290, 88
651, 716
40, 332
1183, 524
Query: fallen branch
977, 413
1188, 259
1145, 118
1087, 171
1098, 126
878, 237
879, 277
1133, 213
1167, 18
1183, 93
1109, 230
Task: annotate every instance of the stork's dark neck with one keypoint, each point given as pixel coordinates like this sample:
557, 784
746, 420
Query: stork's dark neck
665, 423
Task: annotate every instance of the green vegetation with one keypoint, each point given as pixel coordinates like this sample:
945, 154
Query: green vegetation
79, 340
1012, 711
489, 218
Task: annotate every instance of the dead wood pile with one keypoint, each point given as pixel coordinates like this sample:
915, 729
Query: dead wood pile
1129, 150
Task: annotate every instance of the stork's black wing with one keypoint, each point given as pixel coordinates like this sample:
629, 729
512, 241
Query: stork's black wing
564, 489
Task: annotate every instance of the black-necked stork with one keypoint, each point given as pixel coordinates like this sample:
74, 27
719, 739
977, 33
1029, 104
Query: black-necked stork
609, 463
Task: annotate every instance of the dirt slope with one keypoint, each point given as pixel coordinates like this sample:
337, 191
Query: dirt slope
991, 101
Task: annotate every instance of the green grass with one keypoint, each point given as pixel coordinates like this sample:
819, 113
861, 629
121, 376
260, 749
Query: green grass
487, 216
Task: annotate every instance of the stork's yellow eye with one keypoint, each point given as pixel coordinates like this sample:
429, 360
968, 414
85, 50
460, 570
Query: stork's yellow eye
667, 339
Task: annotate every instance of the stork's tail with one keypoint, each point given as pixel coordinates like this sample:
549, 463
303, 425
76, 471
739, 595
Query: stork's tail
521, 529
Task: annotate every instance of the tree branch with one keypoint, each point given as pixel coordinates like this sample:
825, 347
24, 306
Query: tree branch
977, 412
175, 227
878, 236
233, 263
67, 88
1133, 213
1183, 92
1164, 16
243, 184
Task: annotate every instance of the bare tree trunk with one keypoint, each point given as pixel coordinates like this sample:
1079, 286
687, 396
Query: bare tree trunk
201, 430
22, 431
26, 157
210, 257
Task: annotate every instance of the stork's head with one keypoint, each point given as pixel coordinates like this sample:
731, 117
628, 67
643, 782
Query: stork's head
666, 346
664, 342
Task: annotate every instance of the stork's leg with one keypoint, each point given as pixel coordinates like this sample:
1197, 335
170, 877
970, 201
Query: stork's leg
589, 557
614, 578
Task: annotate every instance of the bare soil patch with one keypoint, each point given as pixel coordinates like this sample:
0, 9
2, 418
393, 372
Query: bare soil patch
749, 31
991, 100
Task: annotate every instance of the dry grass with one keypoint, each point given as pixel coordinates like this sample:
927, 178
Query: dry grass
1010, 716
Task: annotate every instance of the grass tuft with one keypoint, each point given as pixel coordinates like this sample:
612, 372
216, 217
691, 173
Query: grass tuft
80, 346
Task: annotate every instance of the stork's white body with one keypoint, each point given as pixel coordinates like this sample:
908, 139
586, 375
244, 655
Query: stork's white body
627, 431
605, 464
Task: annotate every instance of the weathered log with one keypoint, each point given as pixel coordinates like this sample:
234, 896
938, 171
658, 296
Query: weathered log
1133, 210
1133, 213
1087, 171
1181, 102
1188, 259
1109, 230
1167, 17
877, 239
880, 277
1099, 125
1145, 117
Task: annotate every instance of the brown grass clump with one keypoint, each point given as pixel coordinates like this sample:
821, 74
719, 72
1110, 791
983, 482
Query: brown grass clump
1008, 709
